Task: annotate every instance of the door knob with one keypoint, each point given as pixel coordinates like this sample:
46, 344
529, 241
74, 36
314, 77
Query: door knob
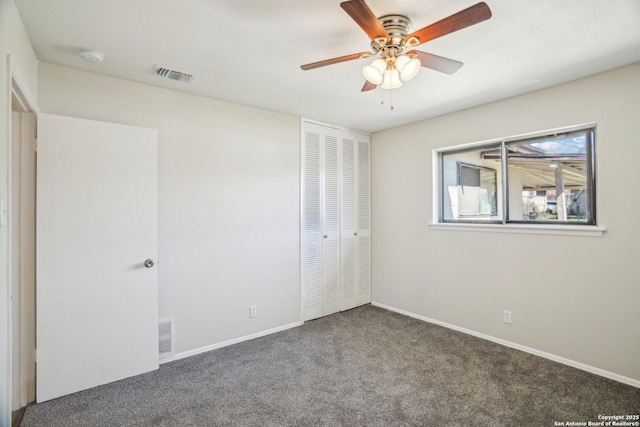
149, 263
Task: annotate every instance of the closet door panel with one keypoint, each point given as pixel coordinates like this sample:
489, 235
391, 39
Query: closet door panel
311, 224
364, 270
312, 280
348, 222
349, 274
364, 185
331, 223
364, 220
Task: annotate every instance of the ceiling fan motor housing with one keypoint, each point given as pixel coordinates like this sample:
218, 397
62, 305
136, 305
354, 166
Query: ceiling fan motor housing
397, 26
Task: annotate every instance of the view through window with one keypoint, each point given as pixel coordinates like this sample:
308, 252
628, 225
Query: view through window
543, 180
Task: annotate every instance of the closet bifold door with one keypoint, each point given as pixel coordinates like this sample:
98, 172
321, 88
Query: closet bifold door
363, 238
349, 227
355, 220
320, 222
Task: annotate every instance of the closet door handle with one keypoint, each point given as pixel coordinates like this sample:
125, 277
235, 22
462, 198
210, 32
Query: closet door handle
325, 236
355, 234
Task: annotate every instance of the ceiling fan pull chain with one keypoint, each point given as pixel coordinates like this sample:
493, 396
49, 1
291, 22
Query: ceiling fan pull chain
391, 97
381, 96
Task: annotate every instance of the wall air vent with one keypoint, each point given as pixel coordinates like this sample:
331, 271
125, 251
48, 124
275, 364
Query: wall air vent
173, 74
166, 334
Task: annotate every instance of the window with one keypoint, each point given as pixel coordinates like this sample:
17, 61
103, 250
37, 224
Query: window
547, 178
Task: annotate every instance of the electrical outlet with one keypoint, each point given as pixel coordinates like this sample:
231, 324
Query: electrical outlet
253, 310
507, 317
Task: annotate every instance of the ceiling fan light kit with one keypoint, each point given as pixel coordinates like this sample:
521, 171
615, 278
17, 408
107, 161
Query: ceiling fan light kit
374, 72
391, 79
408, 67
390, 38
391, 71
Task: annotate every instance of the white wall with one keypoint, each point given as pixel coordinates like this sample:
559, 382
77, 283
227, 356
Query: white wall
15, 43
574, 297
228, 201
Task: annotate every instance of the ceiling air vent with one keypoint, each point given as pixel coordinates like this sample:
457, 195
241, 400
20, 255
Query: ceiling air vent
173, 74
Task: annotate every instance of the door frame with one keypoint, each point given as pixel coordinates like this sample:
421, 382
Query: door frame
22, 270
18, 97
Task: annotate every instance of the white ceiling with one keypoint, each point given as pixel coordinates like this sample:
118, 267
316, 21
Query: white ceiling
250, 51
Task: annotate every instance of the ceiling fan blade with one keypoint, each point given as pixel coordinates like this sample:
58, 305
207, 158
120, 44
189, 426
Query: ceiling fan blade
368, 86
360, 12
463, 19
435, 62
335, 60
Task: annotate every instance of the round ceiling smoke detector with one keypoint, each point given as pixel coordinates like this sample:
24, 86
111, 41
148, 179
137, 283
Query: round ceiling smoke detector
92, 56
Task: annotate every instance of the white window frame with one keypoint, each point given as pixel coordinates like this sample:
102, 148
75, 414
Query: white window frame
504, 225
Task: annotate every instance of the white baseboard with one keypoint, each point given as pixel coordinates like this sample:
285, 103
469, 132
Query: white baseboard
555, 358
229, 342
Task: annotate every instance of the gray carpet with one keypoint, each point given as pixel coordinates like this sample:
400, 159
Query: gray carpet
367, 366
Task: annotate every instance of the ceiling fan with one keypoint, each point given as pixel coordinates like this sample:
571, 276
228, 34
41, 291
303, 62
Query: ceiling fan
393, 45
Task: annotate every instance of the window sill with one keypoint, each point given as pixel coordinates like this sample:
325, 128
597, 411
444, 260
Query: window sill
559, 230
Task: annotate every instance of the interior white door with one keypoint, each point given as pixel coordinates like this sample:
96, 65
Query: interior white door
97, 303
